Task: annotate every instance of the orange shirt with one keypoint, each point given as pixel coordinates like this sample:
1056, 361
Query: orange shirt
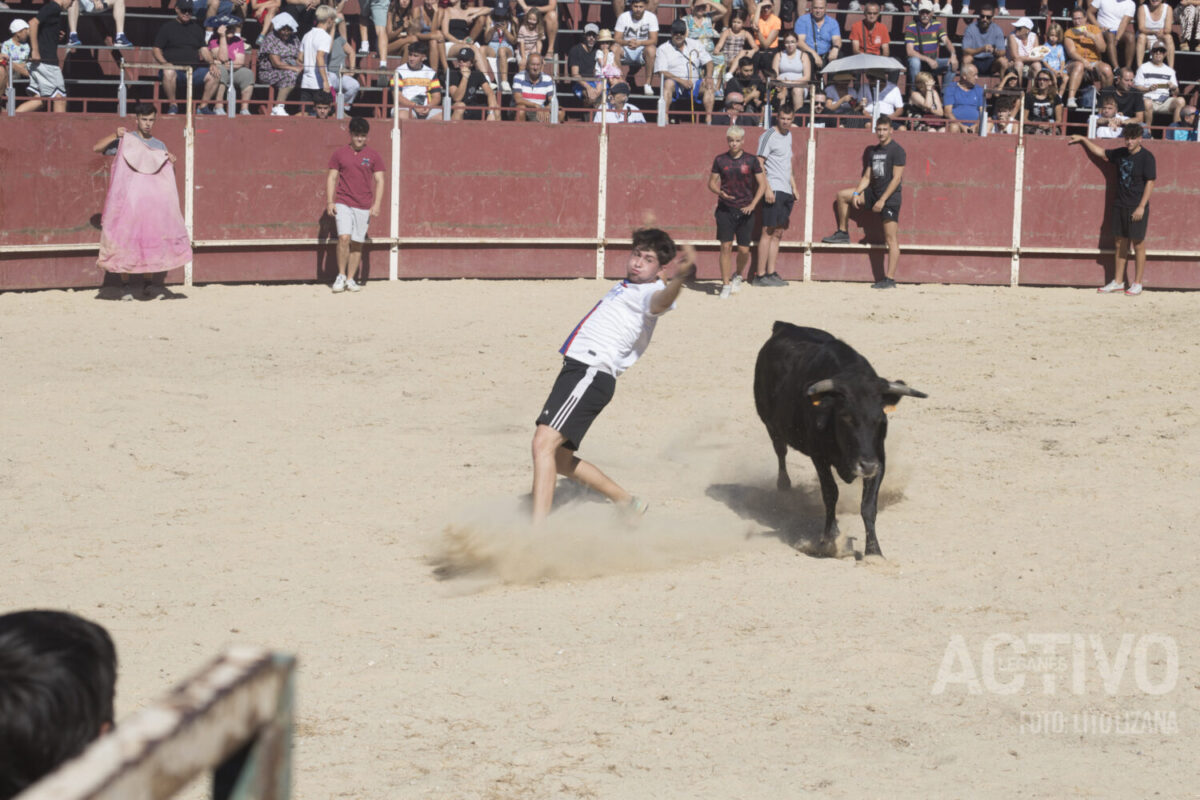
873, 41
1084, 46
766, 26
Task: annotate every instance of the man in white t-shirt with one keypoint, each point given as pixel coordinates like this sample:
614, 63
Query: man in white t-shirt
637, 33
619, 108
1159, 85
1115, 18
605, 343
685, 67
314, 54
420, 90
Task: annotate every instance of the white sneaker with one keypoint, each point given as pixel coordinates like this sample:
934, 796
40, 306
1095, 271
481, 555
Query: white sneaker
736, 284
649, 90
351, 286
1110, 287
364, 48
855, 7
947, 10
725, 292
1134, 290
245, 112
339, 285
1071, 103
1002, 12
279, 111
966, 9
506, 87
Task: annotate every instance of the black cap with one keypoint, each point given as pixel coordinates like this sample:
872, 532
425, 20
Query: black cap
678, 26
465, 54
619, 88
1158, 46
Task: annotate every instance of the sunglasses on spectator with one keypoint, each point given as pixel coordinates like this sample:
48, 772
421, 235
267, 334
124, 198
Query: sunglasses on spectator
985, 16
1042, 79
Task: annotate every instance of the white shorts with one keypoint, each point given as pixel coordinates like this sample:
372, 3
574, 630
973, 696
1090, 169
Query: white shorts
352, 222
1163, 105
46, 81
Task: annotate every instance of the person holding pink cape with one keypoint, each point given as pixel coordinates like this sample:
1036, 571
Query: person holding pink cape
142, 231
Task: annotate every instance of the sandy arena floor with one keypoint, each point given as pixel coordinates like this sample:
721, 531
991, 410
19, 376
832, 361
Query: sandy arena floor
280, 466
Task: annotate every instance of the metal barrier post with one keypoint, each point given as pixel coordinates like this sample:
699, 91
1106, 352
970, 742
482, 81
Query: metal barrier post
231, 94
122, 94
189, 175
341, 96
554, 108
394, 205
663, 107
10, 95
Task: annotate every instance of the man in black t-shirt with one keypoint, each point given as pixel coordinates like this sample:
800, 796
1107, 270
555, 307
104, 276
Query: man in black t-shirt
1136, 174
45, 77
878, 189
745, 83
1129, 100
470, 90
581, 67
737, 179
181, 42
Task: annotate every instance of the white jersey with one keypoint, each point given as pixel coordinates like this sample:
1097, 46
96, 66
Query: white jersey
1110, 12
637, 30
631, 113
1150, 74
316, 40
688, 62
615, 333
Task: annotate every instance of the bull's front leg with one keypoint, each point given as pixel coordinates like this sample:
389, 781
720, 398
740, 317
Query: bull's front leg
829, 546
783, 482
870, 502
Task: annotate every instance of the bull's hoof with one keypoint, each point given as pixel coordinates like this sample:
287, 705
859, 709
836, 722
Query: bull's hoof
783, 484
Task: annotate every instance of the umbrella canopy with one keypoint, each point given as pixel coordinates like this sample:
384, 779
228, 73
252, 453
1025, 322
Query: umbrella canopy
863, 63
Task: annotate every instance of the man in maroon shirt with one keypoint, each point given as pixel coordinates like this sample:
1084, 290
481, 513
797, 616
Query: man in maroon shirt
353, 192
737, 179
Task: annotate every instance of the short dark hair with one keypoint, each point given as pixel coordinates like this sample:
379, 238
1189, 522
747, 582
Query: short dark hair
884, 119
786, 108
144, 110
1131, 130
358, 125
745, 60
657, 240
58, 675
419, 47
322, 98
739, 13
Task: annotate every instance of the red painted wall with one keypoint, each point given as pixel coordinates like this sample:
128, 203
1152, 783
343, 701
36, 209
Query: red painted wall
263, 178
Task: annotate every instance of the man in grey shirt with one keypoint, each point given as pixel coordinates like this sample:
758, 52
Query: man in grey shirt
775, 153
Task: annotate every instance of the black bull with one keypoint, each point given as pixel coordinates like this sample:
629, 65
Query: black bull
819, 395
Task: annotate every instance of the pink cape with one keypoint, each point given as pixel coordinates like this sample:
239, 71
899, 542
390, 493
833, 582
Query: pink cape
142, 228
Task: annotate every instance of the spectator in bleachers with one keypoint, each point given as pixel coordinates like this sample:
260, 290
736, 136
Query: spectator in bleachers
869, 35
793, 68
923, 40
924, 104
1084, 44
532, 89
1159, 86
97, 7
373, 14
608, 56
1043, 109
752, 88
462, 27
531, 38
428, 31
314, 54
548, 14
882, 98
14, 53
401, 28
1115, 19
181, 42
322, 104
228, 52
767, 28
341, 69
216, 13
501, 44
45, 76
279, 60
1005, 121
1185, 129
1024, 62
735, 112
819, 35
420, 89
1189, 25
264, 11
700, 24
963, 102
685, 69
58, 677
1110, 121
842, 100
1129, 100
619, 109
1155, 21
734, 43
470, 90
619, 7
581, 67
983, 43
1055, 59
637, 33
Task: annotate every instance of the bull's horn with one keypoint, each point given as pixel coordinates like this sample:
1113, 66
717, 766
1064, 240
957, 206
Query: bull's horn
820, 387
896, 387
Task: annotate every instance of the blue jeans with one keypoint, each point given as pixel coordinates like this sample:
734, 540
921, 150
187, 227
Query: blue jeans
915, 65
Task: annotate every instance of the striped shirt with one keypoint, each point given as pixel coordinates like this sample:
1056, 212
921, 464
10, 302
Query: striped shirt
536, 92
417, 84
925, 40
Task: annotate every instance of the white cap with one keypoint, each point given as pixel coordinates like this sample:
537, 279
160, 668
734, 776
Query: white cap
925, 5
284, 20
591, 27
1024, 22
17, 26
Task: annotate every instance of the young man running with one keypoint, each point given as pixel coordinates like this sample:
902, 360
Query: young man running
1136, 173
605, 343
737, 179
775, 152
879, 189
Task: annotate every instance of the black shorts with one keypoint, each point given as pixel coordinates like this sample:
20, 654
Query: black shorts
732, 223
891, 208
779, 213
580, 393
1123, 226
